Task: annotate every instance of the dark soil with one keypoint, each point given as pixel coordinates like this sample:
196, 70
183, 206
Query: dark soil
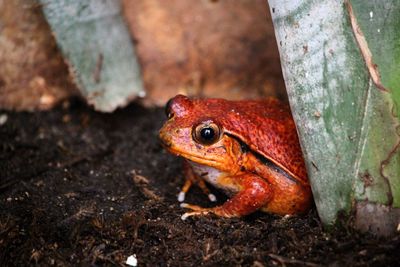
80, 188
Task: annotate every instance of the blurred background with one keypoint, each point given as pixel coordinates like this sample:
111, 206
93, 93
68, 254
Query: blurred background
112, 52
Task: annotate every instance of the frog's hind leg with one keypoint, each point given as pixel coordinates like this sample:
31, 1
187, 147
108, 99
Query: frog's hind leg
190, 179
253, 194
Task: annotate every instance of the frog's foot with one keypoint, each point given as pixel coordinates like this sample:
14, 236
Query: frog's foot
184, 190
192, 178
254, 194
202, 185
196, 211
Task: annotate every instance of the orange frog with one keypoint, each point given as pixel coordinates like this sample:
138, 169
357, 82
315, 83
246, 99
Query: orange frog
249, 149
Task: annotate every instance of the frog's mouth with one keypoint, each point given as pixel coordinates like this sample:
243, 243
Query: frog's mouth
200, 160
180, 153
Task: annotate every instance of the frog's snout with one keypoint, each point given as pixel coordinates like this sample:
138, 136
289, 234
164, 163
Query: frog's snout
165, 138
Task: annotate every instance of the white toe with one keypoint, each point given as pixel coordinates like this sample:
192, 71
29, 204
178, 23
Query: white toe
212, 197
181, 196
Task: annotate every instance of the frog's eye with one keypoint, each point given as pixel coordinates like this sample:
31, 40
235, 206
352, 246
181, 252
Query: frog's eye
206, 133
168, 109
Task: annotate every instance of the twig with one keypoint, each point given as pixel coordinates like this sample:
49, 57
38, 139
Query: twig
143, 184
284, 261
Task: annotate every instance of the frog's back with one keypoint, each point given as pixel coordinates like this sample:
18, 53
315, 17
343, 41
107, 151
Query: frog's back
266, 126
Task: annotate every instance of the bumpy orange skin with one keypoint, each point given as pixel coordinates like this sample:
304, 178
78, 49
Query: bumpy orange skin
268, 174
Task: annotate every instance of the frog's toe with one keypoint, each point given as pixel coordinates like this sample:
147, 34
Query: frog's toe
212, 197
193, 213
287, 217
181, 196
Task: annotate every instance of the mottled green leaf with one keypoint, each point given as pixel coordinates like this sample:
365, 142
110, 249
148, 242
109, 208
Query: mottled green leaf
348, 121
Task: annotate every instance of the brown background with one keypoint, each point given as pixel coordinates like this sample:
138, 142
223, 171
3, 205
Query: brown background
199, 47
211, 48
32, 72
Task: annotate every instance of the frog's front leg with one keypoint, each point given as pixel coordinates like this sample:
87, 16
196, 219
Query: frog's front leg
190, 179
253, 193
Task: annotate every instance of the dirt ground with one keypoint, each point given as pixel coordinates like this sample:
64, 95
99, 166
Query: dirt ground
80, 188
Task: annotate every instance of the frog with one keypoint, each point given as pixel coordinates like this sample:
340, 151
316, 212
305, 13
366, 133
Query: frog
249, 149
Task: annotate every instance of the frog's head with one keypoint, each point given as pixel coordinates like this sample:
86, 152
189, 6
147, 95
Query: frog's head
194, 131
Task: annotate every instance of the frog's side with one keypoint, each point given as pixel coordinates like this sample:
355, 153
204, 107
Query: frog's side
250, 149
